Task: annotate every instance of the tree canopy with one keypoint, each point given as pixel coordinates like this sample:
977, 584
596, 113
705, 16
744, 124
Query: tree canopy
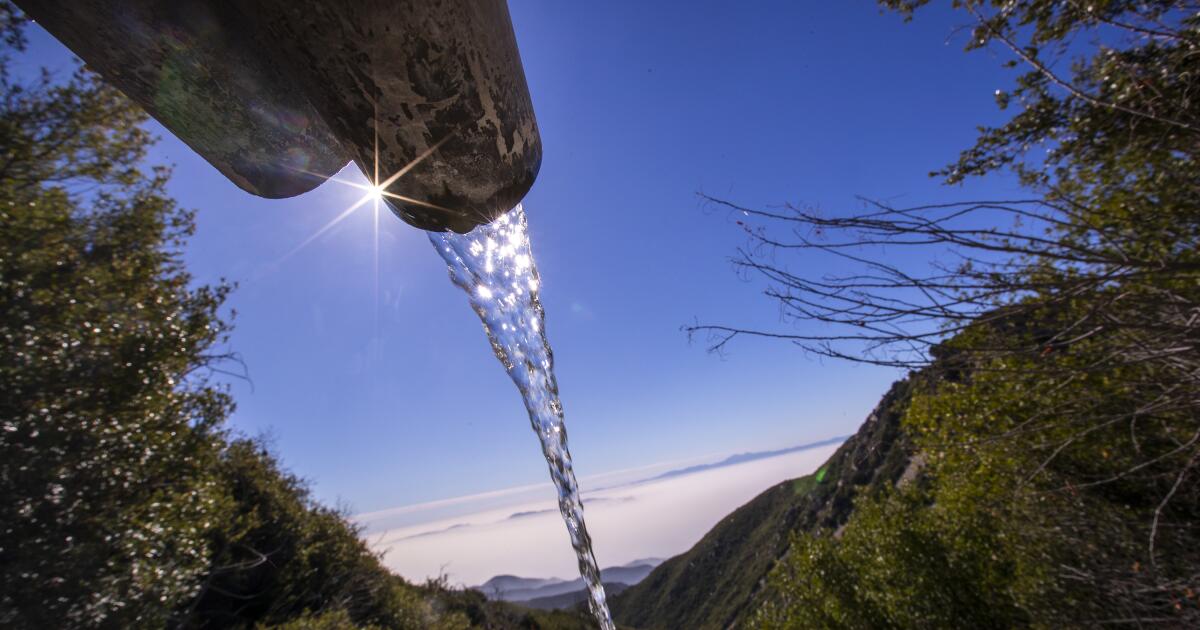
1055, 363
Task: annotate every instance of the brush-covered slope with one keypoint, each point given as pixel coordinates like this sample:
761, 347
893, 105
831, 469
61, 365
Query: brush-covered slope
716, 582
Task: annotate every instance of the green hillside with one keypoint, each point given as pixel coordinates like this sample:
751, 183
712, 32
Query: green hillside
719, 580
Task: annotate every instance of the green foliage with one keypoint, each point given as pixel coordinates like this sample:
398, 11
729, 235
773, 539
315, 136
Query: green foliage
804, 485
106, 421
332, 620
1022, 517
1088, 475
1060, 423
277, 556
468, 608
900, 564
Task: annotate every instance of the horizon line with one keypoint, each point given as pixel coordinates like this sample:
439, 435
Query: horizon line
491, 494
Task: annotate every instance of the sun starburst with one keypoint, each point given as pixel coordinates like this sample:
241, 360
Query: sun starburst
377, 191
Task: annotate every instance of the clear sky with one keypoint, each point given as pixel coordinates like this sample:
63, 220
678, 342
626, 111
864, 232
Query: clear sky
382, 391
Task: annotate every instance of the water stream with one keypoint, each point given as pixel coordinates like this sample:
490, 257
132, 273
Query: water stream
494, 265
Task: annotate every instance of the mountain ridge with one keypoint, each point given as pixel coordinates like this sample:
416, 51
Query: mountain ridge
573, 599
741, 458
718, 582
513, 588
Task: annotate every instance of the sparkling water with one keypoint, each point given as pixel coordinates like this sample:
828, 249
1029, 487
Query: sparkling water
494, 265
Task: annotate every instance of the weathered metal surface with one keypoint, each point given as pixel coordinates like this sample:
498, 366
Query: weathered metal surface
421, 72
196, 68
431, 93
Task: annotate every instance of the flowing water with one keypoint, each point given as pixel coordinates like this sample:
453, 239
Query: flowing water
494, 265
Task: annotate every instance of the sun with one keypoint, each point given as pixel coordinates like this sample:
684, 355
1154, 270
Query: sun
375, 191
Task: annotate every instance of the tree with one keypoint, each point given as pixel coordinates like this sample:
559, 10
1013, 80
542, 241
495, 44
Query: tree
107, 418
1110, 155
898, 564
1061, 346
278, 557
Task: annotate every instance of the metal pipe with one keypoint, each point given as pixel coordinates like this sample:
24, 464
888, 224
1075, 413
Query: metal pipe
279, 94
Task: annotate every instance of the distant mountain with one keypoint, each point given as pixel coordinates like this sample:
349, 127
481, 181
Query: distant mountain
742, 458
572, 599
629, 574
512, 583
717, 583
519, 589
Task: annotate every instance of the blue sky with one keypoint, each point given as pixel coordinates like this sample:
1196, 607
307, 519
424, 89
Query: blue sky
381, 390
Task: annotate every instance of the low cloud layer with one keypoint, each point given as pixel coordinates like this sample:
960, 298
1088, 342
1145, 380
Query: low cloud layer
525, 536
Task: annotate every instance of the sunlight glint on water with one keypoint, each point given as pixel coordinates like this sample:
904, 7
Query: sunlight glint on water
494, 265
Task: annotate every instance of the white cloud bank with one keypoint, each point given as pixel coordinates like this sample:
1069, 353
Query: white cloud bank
519, 531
